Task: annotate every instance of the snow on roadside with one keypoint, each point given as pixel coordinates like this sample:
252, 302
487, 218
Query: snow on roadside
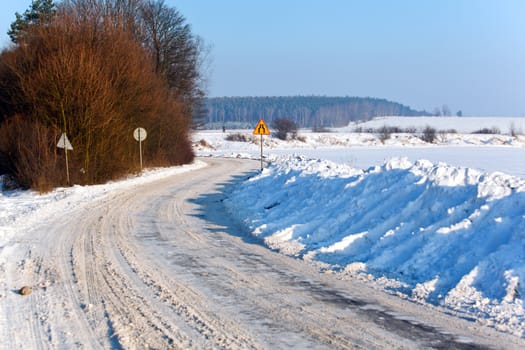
20, 210
436, 233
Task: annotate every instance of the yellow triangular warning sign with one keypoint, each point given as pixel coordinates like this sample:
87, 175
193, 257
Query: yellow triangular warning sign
261, 128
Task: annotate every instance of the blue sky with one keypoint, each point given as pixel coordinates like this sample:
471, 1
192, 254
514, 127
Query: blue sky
468, 54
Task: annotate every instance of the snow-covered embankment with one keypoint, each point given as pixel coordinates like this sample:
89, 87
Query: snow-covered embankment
445, 235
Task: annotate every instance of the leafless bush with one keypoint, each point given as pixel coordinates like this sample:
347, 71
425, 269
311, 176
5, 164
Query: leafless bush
301, 139
320, 129
442, 136
492, 131
384, 133
429, 134
204, 143
515, 131
283, 127
238, 137
29, 154
386, 129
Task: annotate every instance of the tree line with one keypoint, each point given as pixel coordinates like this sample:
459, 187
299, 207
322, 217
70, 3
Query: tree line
96, 70
305, 111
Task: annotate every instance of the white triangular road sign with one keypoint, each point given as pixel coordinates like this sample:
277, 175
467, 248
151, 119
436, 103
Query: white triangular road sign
64, 143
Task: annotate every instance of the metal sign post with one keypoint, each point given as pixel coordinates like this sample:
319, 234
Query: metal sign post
66, 145
261, 129
261, 153
140, 135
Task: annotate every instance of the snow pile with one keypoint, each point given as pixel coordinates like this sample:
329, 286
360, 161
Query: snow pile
446, 235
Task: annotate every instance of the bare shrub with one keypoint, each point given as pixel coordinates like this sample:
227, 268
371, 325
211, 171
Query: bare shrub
29, 154
320, 129
442, 136
283, 127
395, 129
492, 131
515, 131
204, 143
301, 139
384, 133
238, 137
429, 134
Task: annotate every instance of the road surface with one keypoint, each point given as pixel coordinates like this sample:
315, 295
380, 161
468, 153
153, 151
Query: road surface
161, 266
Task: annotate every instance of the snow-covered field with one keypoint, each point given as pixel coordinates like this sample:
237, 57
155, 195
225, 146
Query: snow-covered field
462, 125
485, 152
441, 223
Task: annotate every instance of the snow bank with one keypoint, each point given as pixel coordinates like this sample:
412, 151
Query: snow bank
436, 233
20, 210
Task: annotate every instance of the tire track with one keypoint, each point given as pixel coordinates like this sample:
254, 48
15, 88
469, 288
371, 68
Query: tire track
162, 316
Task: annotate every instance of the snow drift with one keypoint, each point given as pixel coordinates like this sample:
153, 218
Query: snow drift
446, 235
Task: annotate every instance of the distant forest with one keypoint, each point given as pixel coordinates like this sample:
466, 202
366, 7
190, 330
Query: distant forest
305, 111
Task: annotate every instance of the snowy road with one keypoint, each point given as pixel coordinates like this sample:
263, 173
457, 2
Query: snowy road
160, 266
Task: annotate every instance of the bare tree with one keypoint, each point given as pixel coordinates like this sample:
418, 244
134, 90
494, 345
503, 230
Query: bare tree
175, 51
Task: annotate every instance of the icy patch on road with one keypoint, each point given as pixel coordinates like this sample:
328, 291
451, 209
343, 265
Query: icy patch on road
446, 235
